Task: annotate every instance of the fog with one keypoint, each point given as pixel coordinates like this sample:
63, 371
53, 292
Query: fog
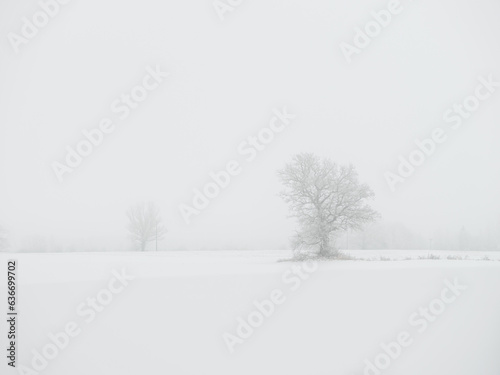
226, 80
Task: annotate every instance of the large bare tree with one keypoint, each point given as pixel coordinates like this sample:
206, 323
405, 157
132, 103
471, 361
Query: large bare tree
325, 198
145, 224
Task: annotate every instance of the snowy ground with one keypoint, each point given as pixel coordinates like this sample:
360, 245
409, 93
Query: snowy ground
171, 318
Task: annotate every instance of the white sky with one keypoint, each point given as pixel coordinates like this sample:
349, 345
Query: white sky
226, 77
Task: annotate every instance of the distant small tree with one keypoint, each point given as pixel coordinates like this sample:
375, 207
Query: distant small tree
145, 224
463, 239
326, 198
372, 237
4, 240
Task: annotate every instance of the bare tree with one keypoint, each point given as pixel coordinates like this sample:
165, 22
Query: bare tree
326, 198
145, 224
463, 239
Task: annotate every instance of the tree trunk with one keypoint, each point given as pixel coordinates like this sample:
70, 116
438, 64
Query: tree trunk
324, 247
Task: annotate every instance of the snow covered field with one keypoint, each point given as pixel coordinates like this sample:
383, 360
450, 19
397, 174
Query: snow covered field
199, 313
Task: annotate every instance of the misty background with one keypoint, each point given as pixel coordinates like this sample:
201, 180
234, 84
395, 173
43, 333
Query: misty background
226, 77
